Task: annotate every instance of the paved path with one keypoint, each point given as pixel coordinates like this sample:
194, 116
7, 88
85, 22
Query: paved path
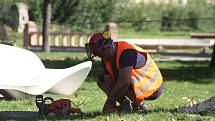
173, 44
181, 57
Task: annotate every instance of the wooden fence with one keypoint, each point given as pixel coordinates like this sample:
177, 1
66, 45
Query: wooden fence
58, 41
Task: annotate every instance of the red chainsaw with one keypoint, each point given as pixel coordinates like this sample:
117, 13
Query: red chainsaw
61, 107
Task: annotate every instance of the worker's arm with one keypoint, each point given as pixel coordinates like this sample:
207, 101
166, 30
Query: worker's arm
119, 88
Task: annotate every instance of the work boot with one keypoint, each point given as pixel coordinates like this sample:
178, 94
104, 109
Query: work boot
126, 106
141, 108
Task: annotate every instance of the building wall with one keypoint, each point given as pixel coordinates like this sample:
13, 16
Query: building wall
23, 16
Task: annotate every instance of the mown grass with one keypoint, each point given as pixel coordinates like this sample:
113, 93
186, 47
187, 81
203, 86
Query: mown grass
181, 80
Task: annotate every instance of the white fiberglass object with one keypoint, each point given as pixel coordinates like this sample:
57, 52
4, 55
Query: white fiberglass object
21, 70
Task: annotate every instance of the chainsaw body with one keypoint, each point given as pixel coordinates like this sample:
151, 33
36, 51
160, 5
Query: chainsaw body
61, 107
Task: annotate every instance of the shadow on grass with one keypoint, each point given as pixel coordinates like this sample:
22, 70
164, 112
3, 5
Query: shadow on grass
192, 71
85, 116
34, 116
60, 64
175, 111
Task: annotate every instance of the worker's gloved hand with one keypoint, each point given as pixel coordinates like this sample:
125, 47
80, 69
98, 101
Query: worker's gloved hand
109, 107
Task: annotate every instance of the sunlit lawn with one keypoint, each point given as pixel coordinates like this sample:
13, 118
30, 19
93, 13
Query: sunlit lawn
182, 80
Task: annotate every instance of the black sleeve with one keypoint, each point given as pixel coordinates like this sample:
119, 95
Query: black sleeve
127, 58
133, 58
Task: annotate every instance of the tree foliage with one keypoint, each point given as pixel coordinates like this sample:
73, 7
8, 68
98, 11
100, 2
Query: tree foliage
88, 15
4, 11
83, 14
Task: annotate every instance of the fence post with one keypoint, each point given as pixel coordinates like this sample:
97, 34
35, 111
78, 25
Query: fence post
64, 39
30, 35
72, 40
112, 28
26, 37
56, 39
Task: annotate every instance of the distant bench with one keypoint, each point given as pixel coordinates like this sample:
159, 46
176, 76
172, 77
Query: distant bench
159, 44
202, 35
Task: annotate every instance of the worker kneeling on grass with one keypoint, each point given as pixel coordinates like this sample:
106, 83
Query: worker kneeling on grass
130, 77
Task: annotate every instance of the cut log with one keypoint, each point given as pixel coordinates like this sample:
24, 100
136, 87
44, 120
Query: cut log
200, 108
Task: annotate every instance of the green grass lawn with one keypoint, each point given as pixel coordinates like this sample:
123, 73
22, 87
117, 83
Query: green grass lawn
182, 80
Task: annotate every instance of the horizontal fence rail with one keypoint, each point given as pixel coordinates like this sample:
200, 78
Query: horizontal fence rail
58, 41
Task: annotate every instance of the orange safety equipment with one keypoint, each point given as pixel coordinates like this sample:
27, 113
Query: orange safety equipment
145, 80
61, 107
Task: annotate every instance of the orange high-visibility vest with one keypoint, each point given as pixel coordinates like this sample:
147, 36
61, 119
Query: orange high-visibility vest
145, 80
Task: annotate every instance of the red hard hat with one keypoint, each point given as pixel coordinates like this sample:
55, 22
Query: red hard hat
95, 47
94, 40
95, 37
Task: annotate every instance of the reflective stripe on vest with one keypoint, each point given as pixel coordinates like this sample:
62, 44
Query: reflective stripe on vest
137, 79
151, 82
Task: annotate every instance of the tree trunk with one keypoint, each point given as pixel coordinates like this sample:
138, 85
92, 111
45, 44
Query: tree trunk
212, 64
200, 108
46, 21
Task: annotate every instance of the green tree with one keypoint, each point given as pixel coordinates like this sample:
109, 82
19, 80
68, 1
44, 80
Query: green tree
35, 10
4, 11
63, 9
83, 15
